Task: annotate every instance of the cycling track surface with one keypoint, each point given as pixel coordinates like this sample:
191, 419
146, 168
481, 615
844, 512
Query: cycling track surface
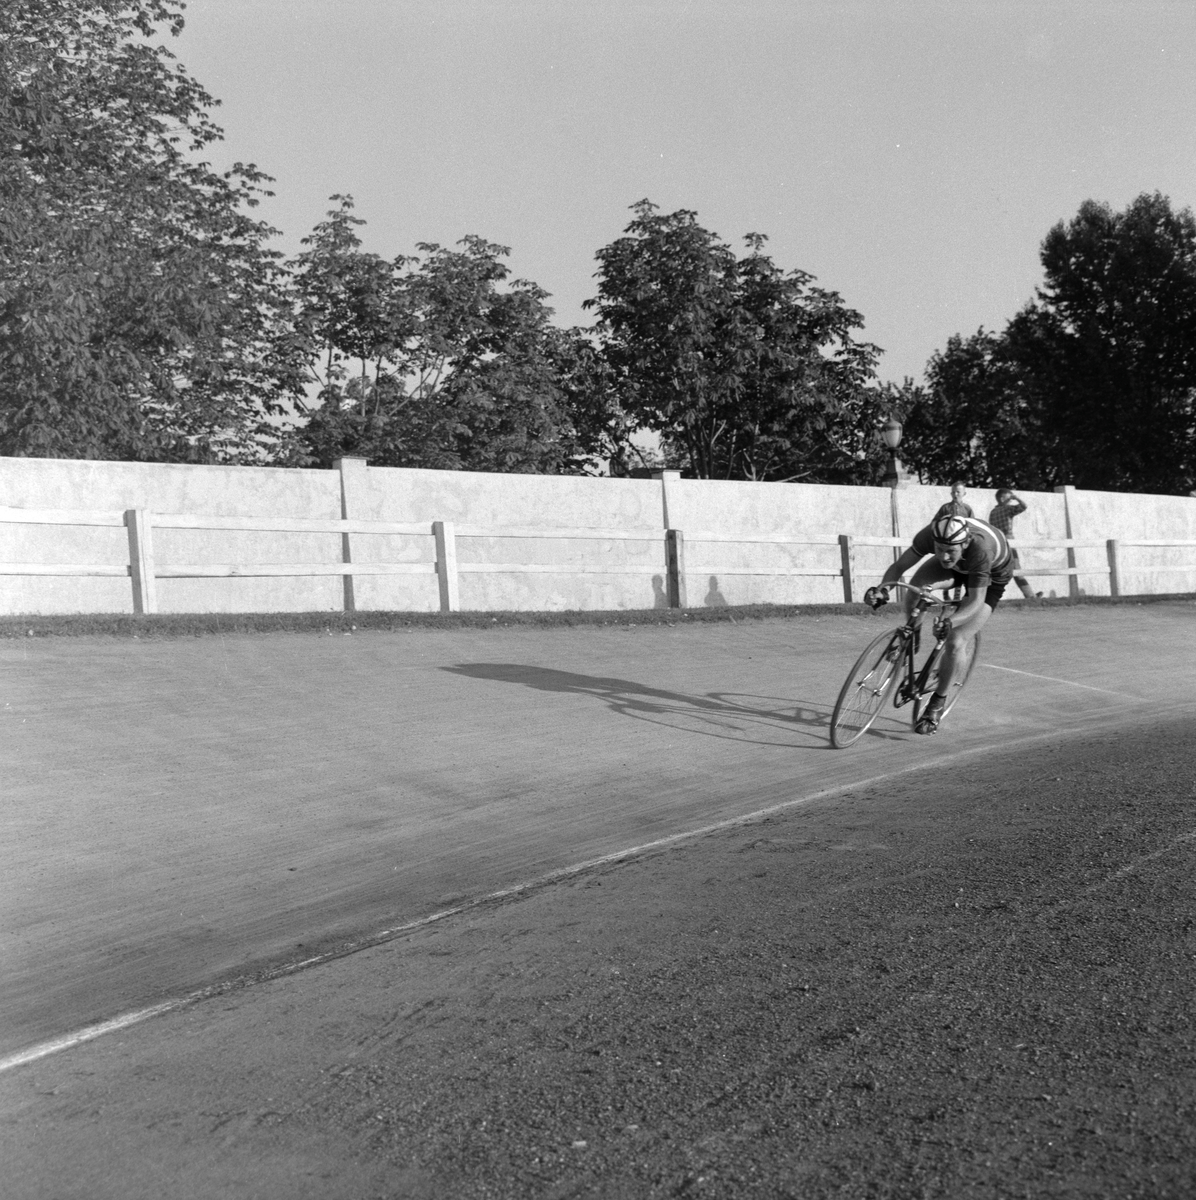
189, 811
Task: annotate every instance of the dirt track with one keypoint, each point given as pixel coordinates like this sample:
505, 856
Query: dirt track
594, 1005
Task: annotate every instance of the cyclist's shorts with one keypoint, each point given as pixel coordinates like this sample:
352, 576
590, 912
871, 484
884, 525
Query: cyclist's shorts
996, 588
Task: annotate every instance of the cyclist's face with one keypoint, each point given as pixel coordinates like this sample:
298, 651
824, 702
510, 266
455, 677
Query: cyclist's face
949, 556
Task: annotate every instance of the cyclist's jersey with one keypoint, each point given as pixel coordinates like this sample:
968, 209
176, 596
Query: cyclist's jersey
987, 558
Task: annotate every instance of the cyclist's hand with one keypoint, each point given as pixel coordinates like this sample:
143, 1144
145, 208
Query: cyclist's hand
876, 597
942, 627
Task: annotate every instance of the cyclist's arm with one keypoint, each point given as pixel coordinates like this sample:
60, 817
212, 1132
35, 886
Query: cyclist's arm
909, 558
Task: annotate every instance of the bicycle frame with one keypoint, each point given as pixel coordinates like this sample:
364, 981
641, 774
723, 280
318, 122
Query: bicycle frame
916, 683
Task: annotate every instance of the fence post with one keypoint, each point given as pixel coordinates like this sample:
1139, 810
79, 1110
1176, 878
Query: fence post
1114, 567
674, 558
352, 473
141, 560
1073, 581
446, 564
847, 557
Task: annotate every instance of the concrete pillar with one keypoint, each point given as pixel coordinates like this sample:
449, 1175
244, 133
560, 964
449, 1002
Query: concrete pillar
352, 473
847, 559
1114, 567
674, 551
141, 560
446, 565
668, 489
1073, 581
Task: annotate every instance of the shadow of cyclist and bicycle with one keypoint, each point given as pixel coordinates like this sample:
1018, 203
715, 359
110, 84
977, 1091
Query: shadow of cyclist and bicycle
761, 720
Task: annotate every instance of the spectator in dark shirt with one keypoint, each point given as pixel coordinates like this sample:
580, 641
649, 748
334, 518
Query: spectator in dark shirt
955, 507
1001, 517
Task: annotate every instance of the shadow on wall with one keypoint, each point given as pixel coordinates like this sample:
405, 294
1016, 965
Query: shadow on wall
715, 598
716, 714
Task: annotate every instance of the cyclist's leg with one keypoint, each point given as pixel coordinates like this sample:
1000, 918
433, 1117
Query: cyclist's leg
955, 651
954, 659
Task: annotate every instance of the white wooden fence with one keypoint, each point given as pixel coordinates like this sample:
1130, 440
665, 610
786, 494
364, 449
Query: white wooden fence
444, 562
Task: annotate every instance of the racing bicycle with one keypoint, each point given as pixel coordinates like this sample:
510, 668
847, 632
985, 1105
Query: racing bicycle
892, 659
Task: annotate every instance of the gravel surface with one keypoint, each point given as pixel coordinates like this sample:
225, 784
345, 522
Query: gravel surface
975, 985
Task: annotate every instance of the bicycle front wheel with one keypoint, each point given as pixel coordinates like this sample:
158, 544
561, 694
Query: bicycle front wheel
920, 703
867, 687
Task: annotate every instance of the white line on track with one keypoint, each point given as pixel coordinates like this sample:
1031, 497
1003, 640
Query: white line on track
1069, 682
90, 1032
1130, 868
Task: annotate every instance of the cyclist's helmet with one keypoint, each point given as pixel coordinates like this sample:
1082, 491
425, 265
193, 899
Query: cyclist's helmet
950, 530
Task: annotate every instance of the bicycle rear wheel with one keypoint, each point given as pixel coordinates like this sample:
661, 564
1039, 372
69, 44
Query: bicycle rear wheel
932, 679
866, 688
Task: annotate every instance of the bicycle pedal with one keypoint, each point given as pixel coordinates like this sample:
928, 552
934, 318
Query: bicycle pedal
926, 726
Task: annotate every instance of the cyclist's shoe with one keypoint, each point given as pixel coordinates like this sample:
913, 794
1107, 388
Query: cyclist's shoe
929, 720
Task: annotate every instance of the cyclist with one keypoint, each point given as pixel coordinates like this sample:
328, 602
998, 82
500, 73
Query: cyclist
968, 552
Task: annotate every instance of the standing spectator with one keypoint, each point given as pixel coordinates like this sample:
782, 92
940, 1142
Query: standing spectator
955, 507
1001, 517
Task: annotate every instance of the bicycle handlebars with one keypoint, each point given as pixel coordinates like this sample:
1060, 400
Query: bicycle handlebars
925, 594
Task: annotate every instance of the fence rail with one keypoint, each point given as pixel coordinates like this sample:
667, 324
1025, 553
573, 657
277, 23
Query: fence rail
144, 570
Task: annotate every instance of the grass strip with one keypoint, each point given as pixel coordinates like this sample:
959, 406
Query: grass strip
180, 625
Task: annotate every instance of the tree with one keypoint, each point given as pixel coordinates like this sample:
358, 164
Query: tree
1093, 382
1118, 309
978, 417
439, 360
142, 314
745, 371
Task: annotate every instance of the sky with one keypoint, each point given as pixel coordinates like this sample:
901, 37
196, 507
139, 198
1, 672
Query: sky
911, 154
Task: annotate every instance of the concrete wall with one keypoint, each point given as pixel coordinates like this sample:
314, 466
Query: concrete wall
517, 501
42, 483
1131, 517
777, 510
637, 574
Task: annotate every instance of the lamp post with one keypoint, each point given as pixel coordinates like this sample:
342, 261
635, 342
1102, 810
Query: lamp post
891, 433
